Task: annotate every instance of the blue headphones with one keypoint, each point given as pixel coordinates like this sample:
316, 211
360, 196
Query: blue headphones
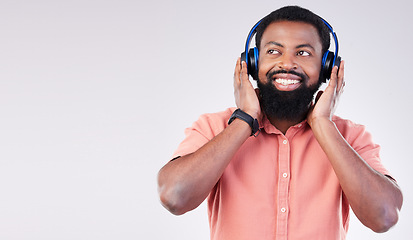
330, 59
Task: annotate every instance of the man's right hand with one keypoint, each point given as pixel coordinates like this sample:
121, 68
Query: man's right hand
245, 95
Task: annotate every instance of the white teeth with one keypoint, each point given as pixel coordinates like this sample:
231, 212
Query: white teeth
286, 81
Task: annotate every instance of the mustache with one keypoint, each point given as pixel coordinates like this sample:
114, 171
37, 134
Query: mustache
271, 74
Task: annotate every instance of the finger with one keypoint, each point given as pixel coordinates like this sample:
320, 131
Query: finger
237, 72
244, 73
341, 70
340, 78
334, 73
332, 84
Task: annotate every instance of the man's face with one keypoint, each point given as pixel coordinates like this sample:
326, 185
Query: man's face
289, 68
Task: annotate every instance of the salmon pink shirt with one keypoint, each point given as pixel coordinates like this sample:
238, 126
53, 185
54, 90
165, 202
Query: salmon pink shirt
279, 186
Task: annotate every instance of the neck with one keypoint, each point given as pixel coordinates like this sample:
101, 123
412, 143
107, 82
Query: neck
284, 124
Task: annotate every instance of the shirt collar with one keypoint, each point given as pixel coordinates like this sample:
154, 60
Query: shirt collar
266, 125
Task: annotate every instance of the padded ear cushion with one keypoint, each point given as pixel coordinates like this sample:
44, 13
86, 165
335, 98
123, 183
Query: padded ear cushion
327, 65
253, 63
252, 66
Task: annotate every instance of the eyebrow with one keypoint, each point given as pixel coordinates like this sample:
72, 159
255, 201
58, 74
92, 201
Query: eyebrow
274, 43
280, 45
305, 45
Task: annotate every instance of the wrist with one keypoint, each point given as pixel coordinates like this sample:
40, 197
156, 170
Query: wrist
321, 124
254, 114
319, 120
241, 127
251, 121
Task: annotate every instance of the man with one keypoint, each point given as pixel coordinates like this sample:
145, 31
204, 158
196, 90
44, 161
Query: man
298, 176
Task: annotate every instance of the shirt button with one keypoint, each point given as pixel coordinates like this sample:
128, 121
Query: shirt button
285, 175
283, 210
285, 141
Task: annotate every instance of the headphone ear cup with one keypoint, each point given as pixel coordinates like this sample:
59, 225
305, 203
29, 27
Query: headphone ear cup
252, 66
253, 63
327, 65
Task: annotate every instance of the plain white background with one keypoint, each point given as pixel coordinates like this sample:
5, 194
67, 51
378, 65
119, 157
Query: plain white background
95, 95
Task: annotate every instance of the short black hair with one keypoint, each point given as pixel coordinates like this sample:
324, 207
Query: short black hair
295, 14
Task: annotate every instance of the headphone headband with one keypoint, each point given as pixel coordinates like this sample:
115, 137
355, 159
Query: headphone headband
334, 37
247, 44
329, 59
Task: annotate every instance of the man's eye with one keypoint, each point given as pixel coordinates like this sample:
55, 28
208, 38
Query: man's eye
273, 51
303, 53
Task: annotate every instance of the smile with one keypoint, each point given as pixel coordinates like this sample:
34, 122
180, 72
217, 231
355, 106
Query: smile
286, 82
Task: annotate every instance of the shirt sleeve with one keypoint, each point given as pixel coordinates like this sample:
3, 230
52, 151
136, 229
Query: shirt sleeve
202, 131
362, 142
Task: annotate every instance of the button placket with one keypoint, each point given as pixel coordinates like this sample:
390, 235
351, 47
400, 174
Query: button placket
283, 186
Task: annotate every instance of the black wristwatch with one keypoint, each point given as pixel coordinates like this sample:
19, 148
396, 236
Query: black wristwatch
246, 118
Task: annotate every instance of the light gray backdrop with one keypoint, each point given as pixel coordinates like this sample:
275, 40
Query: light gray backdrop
95, 95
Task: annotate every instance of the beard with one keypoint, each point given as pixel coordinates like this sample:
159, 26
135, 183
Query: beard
286, 105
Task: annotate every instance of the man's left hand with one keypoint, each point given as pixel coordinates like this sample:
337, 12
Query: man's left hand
326, 101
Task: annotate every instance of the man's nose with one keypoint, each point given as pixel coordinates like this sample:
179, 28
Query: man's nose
287, 62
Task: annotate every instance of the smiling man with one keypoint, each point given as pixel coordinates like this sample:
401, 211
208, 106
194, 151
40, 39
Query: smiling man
280, 166
289, 69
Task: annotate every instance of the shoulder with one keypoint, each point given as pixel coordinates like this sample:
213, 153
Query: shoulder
217, 116
345, 123
351, 131
211, 124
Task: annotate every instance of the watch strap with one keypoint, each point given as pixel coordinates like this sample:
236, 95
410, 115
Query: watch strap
246, 118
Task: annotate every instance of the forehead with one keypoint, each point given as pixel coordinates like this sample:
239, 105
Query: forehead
291, 33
